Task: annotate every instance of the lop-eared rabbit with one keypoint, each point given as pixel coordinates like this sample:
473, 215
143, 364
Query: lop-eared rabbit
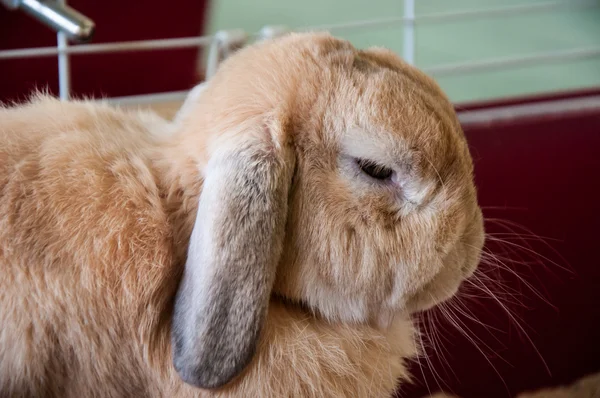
273, 242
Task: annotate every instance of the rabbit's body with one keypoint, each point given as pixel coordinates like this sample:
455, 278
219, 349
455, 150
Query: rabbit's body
273, 242
85, 305
86, 258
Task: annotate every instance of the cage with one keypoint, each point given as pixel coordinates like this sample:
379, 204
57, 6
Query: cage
525, 78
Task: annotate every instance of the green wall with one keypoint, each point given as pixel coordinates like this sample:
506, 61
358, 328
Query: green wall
448, 42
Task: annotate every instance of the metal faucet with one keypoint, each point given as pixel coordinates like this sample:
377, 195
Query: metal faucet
56, 15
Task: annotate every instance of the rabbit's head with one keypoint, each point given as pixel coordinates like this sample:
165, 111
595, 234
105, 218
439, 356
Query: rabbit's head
333, 177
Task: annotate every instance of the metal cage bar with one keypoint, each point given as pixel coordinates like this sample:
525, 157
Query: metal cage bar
409, 43
409, 21
64, 65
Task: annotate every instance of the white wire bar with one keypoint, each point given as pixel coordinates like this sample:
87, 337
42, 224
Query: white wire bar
223, 43
542, 109
494, 115
64, 66
144, 45
519, 9
409, 43
139, 45
511, 62
457, 15
148, 99
63, 50
474, 66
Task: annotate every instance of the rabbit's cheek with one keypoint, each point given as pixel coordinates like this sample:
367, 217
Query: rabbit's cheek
473, 242
458, 264
441, 288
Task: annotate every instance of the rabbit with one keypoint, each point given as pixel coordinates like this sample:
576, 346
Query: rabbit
273, 242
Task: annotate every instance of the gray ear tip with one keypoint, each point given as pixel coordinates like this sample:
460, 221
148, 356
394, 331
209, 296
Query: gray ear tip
210, 369
191, 376
210, 353
203, 375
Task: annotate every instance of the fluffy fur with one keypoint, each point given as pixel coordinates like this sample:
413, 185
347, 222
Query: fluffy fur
585, 387
98, 206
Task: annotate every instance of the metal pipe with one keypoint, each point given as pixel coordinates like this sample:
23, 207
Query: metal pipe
512, 62
545, 108
454, 15
272, 31
61, 18
409, 32
224, 44
64, 64
138, 45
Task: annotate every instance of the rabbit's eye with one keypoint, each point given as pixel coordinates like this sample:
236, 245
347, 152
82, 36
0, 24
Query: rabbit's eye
374, 170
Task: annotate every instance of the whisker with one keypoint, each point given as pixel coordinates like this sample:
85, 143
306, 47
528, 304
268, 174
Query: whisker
505, 267
436, 172
530, 251
504, 208
507, 224
434, 373
422, 353
438, 345
462, 310
517, 324
463, 328
510, 246
500, 281
517, 235
458, 327
503, 286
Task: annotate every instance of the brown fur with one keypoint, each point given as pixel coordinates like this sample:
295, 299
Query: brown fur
97, 206
585, 387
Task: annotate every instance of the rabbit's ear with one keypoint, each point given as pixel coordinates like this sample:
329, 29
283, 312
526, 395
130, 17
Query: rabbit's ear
189, 105
234, 249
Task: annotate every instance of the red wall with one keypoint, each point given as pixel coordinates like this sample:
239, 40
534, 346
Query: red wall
107, 74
